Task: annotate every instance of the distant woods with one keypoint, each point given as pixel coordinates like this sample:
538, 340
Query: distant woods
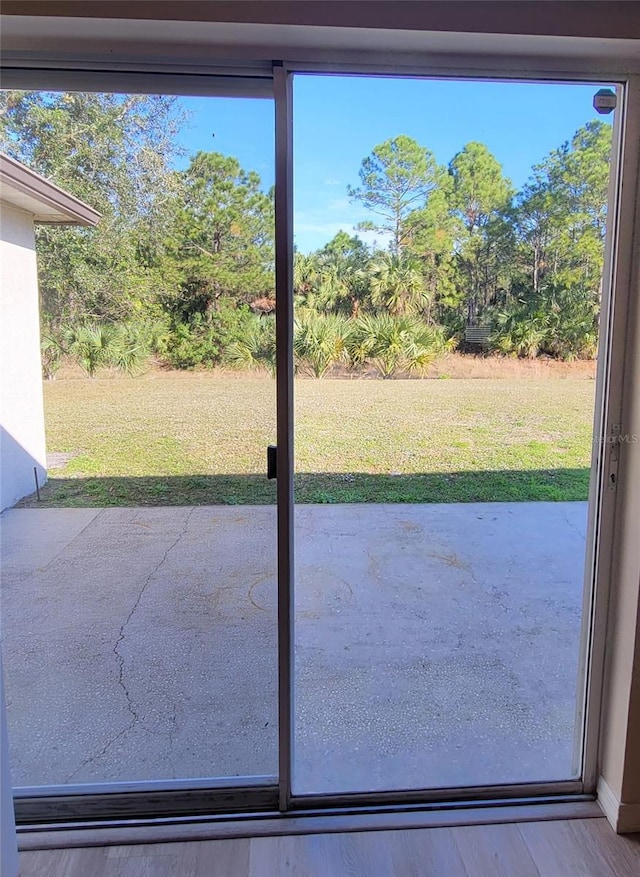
181, 266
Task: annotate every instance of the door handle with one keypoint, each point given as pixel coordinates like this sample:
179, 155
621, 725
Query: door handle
272, 461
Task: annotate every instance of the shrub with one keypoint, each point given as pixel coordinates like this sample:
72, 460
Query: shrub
90, 345
319, 342
520, 332
256, 348
130, 348
396, 344
188, 346
101, 345
560, 321
202, 340
51, 351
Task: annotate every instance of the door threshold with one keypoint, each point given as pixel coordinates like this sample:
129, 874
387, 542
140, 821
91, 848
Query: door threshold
321, 822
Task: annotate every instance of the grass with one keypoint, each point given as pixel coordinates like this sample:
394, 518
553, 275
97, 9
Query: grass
176, 438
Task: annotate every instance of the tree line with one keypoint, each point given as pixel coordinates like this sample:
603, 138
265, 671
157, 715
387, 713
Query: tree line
182, 264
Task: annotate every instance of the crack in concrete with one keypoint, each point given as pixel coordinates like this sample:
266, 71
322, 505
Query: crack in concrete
173, 727
121, 634
97, 755
573, 526
120, 658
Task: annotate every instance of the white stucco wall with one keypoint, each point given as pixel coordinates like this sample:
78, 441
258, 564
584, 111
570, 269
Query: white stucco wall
22, 437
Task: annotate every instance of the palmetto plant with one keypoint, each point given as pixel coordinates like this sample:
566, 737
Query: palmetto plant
130, 347
51, 352
257, 346
398, 285
573, 321
90, 345
306, 278
520, 332
319, 342
97, 345
396, 344
560, 320
342, 288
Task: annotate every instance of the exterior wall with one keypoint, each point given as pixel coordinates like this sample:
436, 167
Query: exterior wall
22, 438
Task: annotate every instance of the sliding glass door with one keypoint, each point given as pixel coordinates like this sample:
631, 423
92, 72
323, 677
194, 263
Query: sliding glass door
447, 293
139, 604
325, 491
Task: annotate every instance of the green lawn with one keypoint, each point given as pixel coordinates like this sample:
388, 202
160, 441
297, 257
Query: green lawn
173, 438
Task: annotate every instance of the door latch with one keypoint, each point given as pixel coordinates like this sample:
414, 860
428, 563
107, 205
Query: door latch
272, 461
614, 440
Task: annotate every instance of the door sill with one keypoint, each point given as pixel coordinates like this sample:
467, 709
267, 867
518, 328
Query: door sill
267, 825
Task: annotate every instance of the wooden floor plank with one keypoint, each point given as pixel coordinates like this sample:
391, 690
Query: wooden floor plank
498, 850
70, 863
275, 855
348, 855
215, 858
362, 855
622, 852
146, 860
495, 849
565, 849
418, 853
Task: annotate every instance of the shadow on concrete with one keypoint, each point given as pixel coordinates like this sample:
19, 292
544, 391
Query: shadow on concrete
17, 465
531, 485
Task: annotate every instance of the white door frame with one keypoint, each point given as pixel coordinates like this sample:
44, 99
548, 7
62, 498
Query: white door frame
25, 73
608, 403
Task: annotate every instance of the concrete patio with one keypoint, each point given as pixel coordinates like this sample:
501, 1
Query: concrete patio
436, 645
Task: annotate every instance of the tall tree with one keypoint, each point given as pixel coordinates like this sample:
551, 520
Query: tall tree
223, 236
396, 180
480, 197
561, 212
398, 285
431, 244
343, 279
560, 225
114, 152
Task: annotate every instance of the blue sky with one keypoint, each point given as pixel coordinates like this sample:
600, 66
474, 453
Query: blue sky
339, 119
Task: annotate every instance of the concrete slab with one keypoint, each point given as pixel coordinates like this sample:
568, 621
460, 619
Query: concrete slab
435, 645
34, 540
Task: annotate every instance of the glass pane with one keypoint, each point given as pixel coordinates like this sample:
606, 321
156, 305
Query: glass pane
450, 241
139, 586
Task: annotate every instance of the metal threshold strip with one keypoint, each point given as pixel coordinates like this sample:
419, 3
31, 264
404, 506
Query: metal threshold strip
215, 799
120, 801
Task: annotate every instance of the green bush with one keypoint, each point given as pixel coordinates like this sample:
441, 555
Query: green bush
188, 346
319, 342
396, 344
561, 320
51, 352
93, 346
203, 340
255, 348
